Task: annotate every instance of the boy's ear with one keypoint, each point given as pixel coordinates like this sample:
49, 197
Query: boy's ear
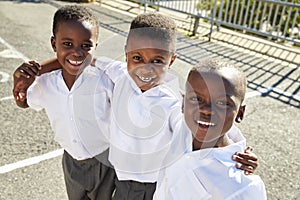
125, 50
53, 43
182, 104
240, 115
172, 60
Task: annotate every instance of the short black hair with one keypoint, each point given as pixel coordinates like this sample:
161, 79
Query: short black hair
214, 65
74, 12
154, 26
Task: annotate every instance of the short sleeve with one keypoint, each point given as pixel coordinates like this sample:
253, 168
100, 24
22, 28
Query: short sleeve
34, 95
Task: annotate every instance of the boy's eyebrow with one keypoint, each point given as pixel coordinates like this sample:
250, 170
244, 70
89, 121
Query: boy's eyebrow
66, 38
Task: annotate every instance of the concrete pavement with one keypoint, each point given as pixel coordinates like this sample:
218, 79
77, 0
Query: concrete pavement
272, 120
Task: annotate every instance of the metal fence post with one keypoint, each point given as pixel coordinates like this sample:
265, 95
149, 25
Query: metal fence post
196, 25
213, 11
145, 6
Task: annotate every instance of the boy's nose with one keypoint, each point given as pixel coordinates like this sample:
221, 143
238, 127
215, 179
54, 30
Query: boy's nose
147, 68
78, 51
206, 109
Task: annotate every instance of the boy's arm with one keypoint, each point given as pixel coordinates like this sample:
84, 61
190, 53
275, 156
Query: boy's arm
247, 160
25, 74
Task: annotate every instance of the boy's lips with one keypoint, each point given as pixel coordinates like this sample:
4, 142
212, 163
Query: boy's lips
205, 124
146, 79
75, 62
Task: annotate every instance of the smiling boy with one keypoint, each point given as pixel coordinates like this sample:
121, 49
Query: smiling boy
213, 101
75, 35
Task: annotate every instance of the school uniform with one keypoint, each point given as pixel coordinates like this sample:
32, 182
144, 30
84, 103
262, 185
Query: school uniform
80, 120
210, 174
142, 139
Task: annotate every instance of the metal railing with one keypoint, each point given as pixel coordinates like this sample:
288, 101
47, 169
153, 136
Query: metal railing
276, 20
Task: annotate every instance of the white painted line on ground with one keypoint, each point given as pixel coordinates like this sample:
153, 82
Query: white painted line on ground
30, 161
7, 98
18, 54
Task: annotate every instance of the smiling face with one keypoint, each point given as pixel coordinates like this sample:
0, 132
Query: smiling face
146, 63
211, 105
74, 43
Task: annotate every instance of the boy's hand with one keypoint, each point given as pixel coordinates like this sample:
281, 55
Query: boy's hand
23, 77
247, 160
27, 70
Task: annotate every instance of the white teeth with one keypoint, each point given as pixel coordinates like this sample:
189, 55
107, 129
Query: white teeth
205, 123
74, 62
146, 79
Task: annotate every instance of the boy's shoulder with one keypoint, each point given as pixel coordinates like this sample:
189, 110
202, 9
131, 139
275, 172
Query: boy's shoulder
49, 76
106, 63
113, 68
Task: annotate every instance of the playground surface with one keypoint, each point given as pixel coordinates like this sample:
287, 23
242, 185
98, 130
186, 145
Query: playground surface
30, 162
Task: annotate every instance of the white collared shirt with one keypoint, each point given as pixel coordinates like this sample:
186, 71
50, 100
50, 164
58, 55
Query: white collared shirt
79, 117
142, 140
209, 174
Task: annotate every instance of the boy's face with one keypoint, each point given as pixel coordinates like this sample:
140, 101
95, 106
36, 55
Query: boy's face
147, 65
211, 105
74, 43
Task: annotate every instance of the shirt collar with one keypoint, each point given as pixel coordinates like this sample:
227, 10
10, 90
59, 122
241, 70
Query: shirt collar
223, 153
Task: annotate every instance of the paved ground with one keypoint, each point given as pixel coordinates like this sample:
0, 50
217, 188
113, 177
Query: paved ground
272, 121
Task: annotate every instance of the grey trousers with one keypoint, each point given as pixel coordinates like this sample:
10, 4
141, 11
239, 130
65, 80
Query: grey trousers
88, 178
133, 190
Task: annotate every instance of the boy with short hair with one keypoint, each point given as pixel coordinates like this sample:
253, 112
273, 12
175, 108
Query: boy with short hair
213, 100
75, 35
145, 107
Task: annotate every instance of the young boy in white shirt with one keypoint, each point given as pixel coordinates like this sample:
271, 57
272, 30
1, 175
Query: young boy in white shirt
146, 107
67, 95
213, 100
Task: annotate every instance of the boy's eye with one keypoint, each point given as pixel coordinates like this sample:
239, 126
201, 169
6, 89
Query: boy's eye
137, 58
87, 46
157, 61
222, 103
68, 44
196, 99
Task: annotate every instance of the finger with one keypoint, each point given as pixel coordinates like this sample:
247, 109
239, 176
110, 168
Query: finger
30, 70
245, 162
247, 169
23, 73
249, 149
249, 156
19, 96
22, 96
35, 66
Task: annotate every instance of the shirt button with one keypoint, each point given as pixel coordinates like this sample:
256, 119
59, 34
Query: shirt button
75, 141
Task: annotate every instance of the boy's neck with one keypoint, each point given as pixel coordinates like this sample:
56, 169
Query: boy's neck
221, 142
69, 79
